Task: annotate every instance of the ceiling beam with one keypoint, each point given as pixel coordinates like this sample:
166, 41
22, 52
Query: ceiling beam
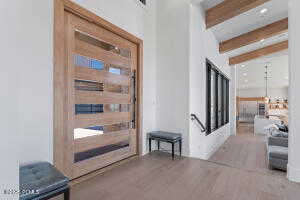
229, 9
251, 98
257, 35
259, 53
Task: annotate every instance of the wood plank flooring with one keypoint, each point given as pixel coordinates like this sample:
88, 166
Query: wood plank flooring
157, 177
246, 151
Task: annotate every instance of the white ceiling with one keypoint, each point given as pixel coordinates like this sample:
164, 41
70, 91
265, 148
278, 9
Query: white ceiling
248, 21
251, 74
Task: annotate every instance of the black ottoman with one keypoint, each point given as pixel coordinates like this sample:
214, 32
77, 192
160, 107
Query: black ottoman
41, 181
165, 137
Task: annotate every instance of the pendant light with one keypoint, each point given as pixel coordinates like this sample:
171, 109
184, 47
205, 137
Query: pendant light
267, 98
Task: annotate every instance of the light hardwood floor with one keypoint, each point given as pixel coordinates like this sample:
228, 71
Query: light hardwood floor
245, 151
157, 177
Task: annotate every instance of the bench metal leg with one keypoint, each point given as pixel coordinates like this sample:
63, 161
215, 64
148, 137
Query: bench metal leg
158, 144
67, 194
149, 145
180, 144
173, 150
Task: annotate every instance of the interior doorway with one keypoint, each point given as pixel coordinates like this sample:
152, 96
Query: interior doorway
262, 118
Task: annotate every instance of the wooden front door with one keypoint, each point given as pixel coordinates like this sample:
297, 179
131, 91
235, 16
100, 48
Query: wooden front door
101, 108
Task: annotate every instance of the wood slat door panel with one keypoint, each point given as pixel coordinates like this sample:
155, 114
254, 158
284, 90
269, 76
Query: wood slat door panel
83, 73
99, 66
100, 54
82, 168
86, 120
91, 97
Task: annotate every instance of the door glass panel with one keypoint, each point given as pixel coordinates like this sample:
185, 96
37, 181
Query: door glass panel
100, 151
83, 61
100, 108
97, 64
117, 107
103, 45
116, 127
119, 70
116, 88
99, 130
88, 85
115, 70
88, 108
87, 132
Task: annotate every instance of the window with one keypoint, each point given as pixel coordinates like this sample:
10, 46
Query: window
217, 98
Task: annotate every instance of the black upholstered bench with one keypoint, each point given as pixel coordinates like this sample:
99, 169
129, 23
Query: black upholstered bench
41, 181
161, 136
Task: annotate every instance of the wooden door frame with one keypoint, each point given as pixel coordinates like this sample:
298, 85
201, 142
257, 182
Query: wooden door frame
59, 103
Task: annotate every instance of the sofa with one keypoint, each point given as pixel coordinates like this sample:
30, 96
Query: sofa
277, 148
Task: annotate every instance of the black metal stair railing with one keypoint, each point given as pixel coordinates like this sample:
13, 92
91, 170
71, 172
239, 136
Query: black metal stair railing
194, 117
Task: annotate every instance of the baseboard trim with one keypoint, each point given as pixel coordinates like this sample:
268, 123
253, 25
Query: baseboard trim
215, 148
293, 174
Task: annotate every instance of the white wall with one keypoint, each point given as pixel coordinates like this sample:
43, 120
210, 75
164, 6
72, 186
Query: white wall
36, 60
175, 47
294, 97
183, 44
10, 69
149, 98
274, 93
203, 45
35, 55
233, 94
173, 68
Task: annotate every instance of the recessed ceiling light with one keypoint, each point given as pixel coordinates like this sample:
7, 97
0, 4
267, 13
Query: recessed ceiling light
244, 74
243, 65
263, 11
